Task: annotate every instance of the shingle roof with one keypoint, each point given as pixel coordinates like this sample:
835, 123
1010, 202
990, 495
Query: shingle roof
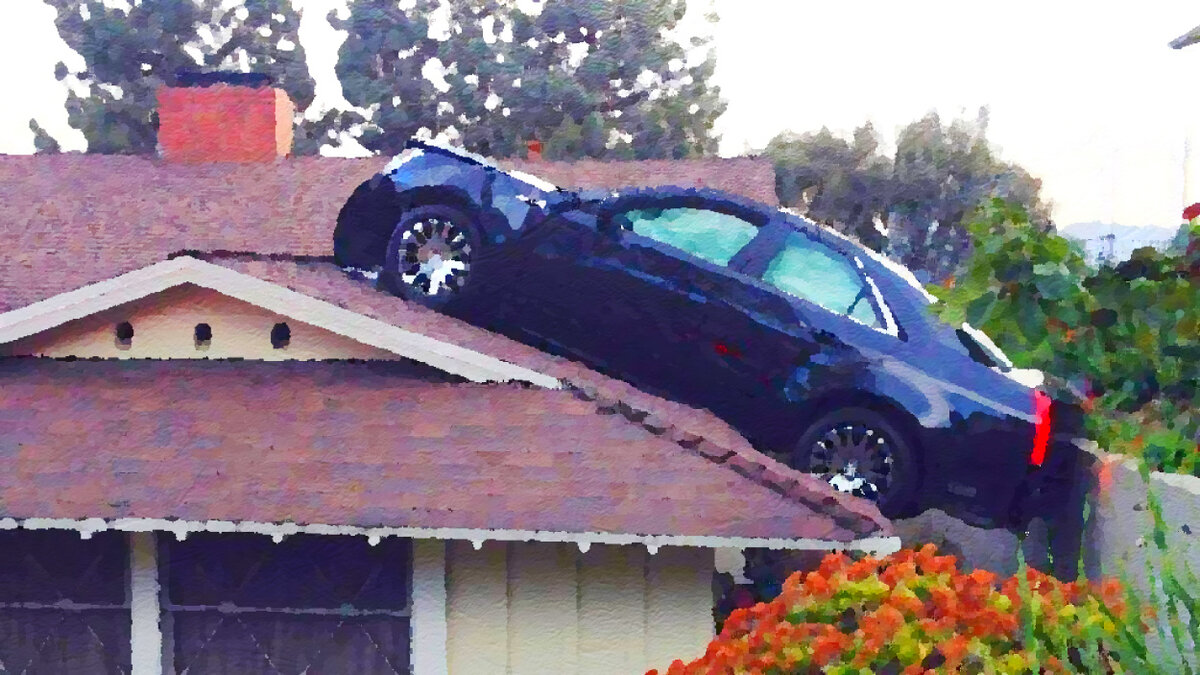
68, 221
71, 220
358, 445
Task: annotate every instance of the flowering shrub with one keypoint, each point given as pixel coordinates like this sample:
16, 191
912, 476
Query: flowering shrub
914, 613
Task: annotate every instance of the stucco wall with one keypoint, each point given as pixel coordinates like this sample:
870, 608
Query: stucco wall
547, 608
1120, 528
164, 327
1119, 534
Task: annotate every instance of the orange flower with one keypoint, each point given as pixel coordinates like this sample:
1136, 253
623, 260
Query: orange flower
862, 569
955, 650
827, 646
982, 577
833, 563
816, 584
898, 571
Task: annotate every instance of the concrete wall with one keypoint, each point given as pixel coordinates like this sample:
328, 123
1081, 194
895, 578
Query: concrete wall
1120, 530
541, 608
1119, 537
164, 327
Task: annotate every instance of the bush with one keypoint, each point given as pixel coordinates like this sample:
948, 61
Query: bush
1129, 334
914, 612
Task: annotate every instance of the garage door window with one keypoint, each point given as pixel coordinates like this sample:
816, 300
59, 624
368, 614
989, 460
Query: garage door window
62, 602
241, 603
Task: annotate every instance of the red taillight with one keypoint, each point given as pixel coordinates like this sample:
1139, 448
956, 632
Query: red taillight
1041, 429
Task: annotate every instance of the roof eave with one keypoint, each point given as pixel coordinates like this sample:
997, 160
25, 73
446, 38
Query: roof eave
873, 545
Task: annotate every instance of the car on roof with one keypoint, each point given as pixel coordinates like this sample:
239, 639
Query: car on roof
817, 349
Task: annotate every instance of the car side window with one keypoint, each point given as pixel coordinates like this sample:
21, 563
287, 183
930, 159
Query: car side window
710, 235
811, 271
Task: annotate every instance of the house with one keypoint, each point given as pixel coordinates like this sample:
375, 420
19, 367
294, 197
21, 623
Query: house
226, 455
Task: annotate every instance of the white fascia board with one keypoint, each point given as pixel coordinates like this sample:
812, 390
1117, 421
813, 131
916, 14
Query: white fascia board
278, 531
77, 304
81, 302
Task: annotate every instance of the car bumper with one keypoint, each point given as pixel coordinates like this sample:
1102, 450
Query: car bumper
989, 484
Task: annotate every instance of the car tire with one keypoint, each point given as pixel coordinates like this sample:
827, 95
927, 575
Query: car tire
855, 434
432, 256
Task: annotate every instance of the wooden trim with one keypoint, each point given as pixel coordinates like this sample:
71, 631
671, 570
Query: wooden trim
145, 635
874, 545
55, 311
428, 623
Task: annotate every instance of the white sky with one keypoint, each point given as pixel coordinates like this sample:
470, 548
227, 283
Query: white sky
1085, 95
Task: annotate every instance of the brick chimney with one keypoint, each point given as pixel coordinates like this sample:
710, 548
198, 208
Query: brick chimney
224, 117
533, 150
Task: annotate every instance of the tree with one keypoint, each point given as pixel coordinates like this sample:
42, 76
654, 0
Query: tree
130, 51
1024, 287
842, 184
913, 204
43, 142
589, 79
941, 174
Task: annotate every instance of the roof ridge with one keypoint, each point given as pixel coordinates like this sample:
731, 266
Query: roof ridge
744, 464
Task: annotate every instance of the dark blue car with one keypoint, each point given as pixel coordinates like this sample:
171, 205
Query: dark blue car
818, 350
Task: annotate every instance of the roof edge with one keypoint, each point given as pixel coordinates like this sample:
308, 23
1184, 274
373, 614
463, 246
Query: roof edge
857, 517
88, 300
278, 531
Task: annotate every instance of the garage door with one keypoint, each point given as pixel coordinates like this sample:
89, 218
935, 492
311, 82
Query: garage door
241, 603
62, 602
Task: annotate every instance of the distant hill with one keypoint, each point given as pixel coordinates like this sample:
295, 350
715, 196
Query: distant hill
1125, 238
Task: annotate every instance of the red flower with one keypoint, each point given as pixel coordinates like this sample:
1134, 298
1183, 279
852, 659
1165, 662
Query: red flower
1191, 211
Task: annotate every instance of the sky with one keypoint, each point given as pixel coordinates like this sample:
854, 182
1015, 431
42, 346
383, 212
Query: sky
1086, 96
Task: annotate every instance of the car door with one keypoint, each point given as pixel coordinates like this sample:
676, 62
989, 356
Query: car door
796, 303
628, 301
754, 338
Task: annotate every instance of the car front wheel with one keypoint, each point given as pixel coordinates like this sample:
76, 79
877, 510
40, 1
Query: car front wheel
858, 451
430, 255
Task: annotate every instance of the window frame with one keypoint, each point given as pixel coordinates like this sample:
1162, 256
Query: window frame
773, 244
609, 224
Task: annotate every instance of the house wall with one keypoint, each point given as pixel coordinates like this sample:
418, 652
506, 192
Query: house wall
164, 327
538, 608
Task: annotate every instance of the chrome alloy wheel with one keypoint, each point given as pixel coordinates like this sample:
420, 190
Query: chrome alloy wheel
853, 458
435, 257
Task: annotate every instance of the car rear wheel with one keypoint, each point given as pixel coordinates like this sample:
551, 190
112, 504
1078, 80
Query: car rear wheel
858, 451
430, 255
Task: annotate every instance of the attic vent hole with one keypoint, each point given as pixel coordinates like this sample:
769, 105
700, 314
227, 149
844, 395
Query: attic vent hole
281, 335
203, 334
124, 334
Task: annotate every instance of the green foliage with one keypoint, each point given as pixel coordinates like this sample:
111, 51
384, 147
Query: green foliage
43, 143
130, 51
588, 79
1130, 332
921, 197
1023, 286
1170, 605
844, 184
